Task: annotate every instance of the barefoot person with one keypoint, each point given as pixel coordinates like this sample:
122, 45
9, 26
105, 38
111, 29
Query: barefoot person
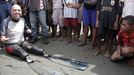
125, 41
106, 21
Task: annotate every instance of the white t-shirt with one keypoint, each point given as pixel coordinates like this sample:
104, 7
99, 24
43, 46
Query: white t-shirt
15, 31
128, 8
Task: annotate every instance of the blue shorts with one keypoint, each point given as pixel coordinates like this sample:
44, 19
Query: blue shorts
89, 17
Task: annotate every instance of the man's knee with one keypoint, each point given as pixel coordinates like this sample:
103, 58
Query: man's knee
17, 51
36, 50
128, 50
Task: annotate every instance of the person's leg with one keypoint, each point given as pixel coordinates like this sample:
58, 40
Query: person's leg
78, 30
94, 29
27, 20
74, 28
17, 51
98, 45
60, 21
42, 20
63, 32
85, 35
69, 34
65, 28
32, 48
99, 35
3, 15
55, 17
109, 42
108, 50
33, 22
55, 32
86, 21
126, 51
3, 11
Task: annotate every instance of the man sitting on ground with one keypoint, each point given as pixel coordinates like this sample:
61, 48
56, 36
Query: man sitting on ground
12, 35
125, 41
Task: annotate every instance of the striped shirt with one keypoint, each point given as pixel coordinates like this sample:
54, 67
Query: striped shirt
70, 12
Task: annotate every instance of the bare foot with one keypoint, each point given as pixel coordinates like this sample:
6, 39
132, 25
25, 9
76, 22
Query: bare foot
62, 38
77, 40
69, 41
55, 38
82, 44
91, 46
103, 49
97, 53
107, 55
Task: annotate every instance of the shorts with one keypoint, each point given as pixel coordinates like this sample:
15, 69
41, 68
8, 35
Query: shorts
58, 17
104, 32
70, 22
89, 17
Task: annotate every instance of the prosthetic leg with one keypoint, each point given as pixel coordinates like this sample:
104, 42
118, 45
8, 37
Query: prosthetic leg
32, 49
18, 51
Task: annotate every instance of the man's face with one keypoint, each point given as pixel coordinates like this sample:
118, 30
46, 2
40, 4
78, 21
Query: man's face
16, 12
125, 26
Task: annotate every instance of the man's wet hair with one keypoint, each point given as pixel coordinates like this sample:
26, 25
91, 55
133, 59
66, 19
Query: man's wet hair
130, 19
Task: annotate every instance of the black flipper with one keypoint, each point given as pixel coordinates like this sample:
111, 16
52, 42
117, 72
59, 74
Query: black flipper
72, 63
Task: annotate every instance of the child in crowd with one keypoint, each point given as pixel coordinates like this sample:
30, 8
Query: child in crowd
57, 16
106, 20
70, 18
89, 20
125, 40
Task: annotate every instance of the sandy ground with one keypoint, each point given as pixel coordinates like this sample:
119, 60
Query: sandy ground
10, 65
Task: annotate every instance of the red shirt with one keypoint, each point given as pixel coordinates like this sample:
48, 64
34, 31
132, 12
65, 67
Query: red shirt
126, 39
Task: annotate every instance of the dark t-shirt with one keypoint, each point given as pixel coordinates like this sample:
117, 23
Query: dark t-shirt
89, 4
108, 10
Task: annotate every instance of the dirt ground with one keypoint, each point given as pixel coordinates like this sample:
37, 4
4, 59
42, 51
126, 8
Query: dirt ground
10, 65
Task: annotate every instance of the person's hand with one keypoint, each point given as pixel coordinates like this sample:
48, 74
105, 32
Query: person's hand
115, 26
118, 56
70, 5
4, 39
28, 31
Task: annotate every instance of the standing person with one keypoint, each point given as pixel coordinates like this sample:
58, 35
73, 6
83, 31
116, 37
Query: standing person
37, 11
125, 41
5, 7
89, 19
70, 18
13, 28
49, 16
107, 19
25, 12
57, 16
79, 24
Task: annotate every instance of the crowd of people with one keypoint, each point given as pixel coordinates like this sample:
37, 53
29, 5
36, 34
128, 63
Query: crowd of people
110, 20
